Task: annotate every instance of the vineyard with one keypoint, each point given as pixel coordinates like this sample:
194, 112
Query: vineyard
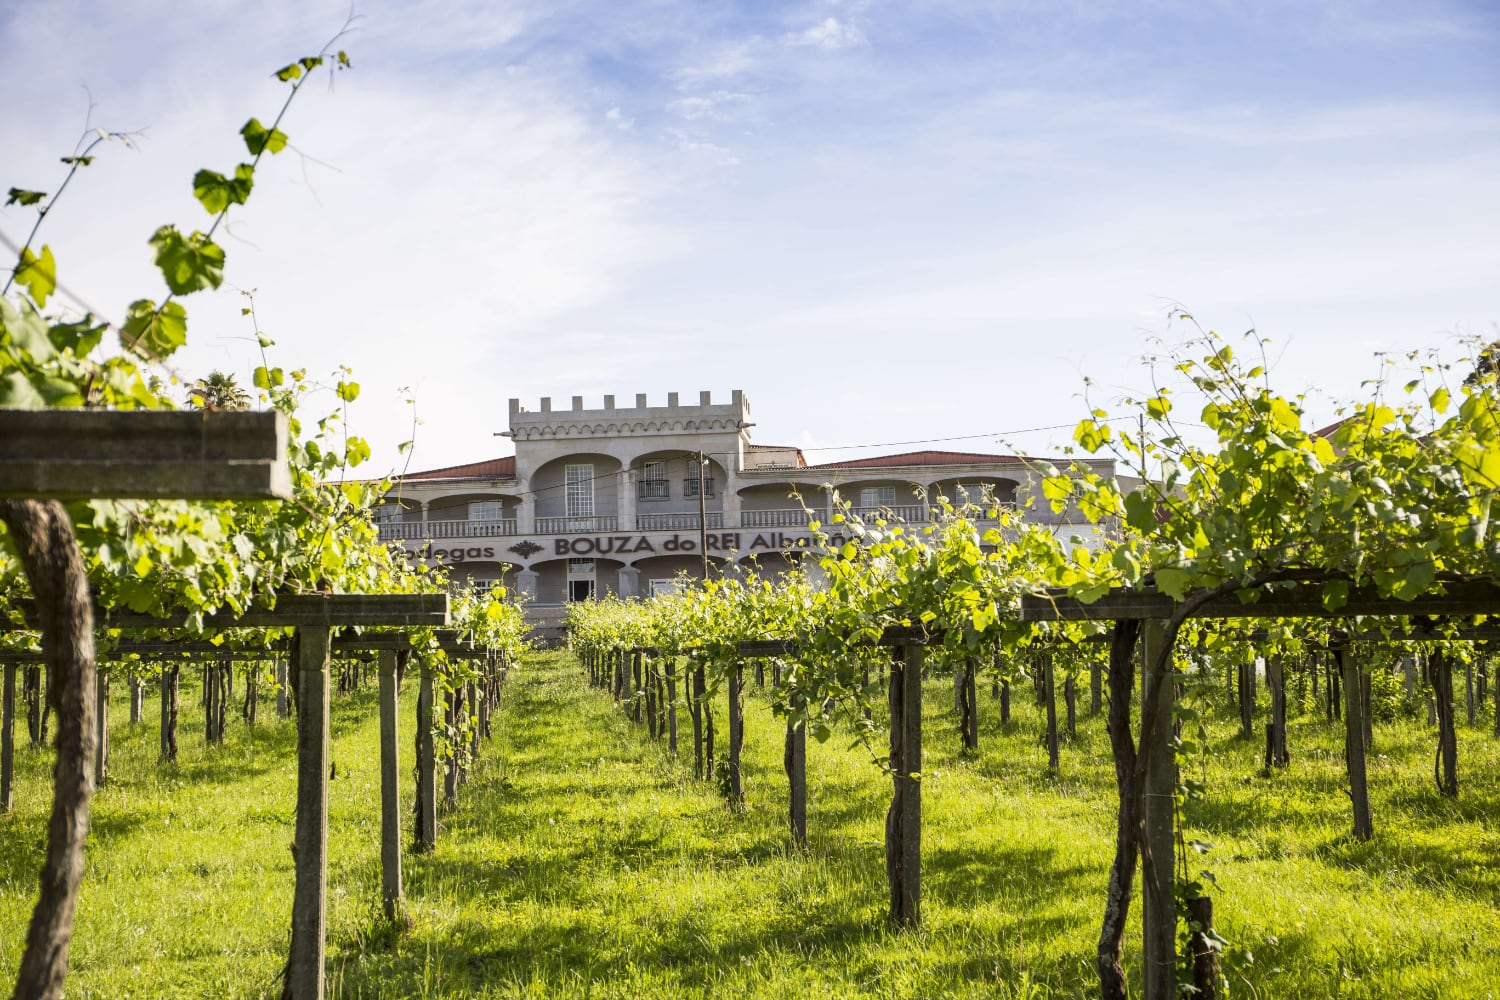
939, 760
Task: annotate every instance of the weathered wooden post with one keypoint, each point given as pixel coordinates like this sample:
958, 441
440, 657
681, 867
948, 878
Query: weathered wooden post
8, 740
672, 704
635, 686
137, 698
304, 969
170, 693
472, 690
390, 792
794, 760
101, 739
1247, 697
650, 697
903, 823
1096, 686
698, 691
450, 764
736, 785
969, 706
1158, 905
1204, 951
1276, 747
283, 700
1354, 744
1049, 695
1442, 693
424, 829
1469, 706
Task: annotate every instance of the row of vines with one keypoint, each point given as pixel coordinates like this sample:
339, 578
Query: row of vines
71, 571
1387, 510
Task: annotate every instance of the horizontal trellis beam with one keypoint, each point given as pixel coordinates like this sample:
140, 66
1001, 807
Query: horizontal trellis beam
310, 610
1302, 601
894, 635
448, 642
80, 454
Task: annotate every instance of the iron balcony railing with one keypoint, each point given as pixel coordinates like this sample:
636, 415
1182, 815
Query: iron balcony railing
910, 513
690, 486
391, 531
676, 522
577, 525
787, 517
653, 489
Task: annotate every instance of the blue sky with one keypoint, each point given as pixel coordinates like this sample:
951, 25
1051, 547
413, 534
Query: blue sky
886, 222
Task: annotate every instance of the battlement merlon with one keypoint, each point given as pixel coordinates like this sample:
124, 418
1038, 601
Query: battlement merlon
640, 420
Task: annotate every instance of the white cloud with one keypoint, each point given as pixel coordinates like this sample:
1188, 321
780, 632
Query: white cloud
617, 118
463, 215
719, 62
721, 105
713, 152
831, 33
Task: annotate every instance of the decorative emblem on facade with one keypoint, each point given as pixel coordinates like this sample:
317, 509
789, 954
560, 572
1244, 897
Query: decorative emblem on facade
526, 549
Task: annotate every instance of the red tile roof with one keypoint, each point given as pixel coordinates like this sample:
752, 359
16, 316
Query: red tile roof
495, 468
1331, 429
921, 458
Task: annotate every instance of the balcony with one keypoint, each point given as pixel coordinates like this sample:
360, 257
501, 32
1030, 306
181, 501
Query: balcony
676, 522
653, 489
577, 525
910, 513
392, 531
690, 486
788, 517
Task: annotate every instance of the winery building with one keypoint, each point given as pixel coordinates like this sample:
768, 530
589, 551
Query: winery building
625, 499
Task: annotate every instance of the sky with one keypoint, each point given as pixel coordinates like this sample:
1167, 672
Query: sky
893, 225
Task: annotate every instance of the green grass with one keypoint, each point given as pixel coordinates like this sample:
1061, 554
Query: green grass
583, 861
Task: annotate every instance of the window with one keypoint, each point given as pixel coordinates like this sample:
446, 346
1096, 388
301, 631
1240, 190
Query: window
653, 484
690, 485
387, 513
486, 510
877, 496
672, 586
580, 491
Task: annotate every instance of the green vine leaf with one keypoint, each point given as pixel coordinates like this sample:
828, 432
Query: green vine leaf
217, 192
189, 264
21, 196
260, 139
38, 274
154, 332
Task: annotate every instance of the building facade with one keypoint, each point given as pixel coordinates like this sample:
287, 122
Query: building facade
624, 499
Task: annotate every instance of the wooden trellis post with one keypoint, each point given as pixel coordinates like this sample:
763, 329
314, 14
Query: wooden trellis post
8, 740
1159, 903
903, 824
736, 784
390, 791
794, 759
304, 969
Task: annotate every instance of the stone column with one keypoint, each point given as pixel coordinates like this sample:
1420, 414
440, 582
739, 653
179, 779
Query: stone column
630, 581
526, 515
526, 582
627, 502
730, 502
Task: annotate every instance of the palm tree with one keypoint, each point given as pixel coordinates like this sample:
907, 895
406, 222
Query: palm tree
218, 391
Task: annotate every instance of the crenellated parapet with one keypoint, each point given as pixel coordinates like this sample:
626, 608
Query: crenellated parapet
641, 420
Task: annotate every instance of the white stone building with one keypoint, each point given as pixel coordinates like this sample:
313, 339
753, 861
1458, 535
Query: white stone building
608, 500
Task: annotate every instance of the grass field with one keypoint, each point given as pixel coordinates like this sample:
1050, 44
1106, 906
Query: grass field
583, 861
